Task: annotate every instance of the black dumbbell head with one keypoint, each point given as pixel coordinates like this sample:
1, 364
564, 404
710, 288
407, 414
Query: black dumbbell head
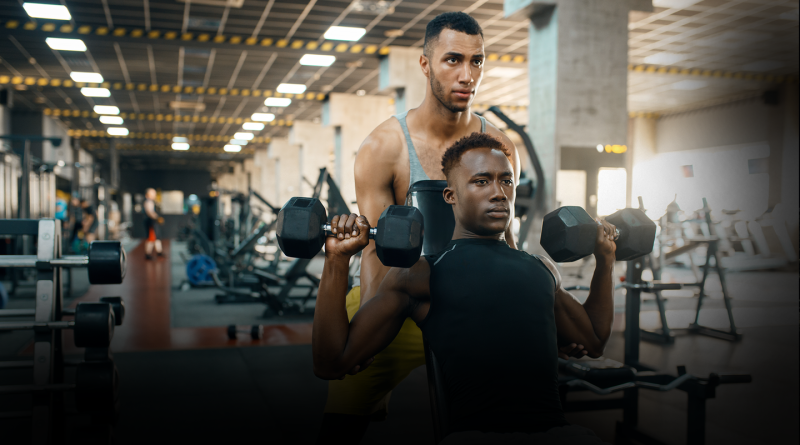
398, 242
94, 325
637, 233
107, 262
299, 228
118, 306
568, 234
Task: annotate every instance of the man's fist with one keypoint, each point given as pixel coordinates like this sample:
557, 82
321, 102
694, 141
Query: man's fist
350, 235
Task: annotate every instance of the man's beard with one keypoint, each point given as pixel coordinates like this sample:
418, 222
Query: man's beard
439, 94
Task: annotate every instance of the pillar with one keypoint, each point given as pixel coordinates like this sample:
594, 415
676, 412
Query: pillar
401, 76
316, 147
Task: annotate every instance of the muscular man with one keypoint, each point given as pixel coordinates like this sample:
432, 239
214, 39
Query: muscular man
403, 150
494, 316
151, 221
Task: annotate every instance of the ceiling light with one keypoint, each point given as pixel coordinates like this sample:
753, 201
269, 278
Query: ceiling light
674, 4
505, 72
238, 142
233, 148
117, 131
44, 11
277, 102
244, 136
689, 85
600, 148
106, 109
263, 117
180, 146
65, 44
111, 120
317, 60
291, 88
344, 33
95, 92
254, 126
86, 77
179, 139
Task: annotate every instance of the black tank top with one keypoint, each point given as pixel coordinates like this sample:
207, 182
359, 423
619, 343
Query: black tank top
492, 327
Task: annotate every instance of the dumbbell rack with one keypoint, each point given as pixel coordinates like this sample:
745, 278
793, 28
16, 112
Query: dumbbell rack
48, 362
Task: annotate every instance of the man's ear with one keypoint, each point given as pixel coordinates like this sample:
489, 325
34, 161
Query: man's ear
449, 194
424, 63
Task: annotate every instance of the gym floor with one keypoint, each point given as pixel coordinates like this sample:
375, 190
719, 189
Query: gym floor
192, 384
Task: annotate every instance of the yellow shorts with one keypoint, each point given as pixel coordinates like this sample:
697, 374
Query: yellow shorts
367, 393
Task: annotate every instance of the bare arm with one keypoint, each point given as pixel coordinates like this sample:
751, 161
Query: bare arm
374, 175
339, 345
150, 209
589, 324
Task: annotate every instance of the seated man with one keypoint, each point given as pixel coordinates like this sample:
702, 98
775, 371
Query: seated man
494, 316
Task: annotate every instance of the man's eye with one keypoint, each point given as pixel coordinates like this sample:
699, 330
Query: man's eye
479, 62
452, 59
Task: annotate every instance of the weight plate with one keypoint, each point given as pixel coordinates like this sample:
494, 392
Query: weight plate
107, 262
118, 306
94, 325
198, 270
232, 332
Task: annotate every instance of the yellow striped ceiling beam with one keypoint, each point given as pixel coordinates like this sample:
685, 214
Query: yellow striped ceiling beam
720, 74
165, 148
160, 117
162, 136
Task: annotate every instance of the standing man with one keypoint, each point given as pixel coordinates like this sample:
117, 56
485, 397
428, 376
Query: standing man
403, 150
151, 221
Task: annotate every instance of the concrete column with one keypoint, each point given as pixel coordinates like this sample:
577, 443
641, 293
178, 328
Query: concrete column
113, 162
285, 174
316, 150
641, 150
401, 75
352, 119
577, 64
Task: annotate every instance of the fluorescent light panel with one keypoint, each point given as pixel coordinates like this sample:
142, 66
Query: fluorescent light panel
233, 148
95, 92
291, 88
111, 120
263, 117
277, 102
317, 60
344, 33
65, 44
238, 142
180, 146
244, 136
117, 131
106, 109
253, 126
45, 11
78, 76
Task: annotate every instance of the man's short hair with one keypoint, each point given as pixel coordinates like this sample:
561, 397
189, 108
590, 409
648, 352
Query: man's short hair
457, 21
452, 156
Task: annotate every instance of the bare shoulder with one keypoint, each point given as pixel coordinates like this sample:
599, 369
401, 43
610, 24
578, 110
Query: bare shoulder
499, 134
385, 141
413, 281
552, 267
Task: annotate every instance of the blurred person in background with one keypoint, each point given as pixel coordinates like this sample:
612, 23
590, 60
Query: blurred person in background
151, 223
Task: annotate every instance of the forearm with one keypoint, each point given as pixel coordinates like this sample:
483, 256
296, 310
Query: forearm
599, 306
331, 325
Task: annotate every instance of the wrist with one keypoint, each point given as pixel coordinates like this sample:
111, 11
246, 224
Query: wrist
335, 259
604, 264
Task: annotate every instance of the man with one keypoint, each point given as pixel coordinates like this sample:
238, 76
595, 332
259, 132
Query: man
403, 150
89, 222
151, 222
494, 316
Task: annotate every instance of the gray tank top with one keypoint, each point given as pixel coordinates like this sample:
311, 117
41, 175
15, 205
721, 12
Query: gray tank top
417, 174
415, 168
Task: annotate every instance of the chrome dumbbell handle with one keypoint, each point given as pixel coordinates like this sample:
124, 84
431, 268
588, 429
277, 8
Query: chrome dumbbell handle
373, 231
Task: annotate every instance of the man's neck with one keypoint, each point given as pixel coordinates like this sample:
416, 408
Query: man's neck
440, 122
460, 232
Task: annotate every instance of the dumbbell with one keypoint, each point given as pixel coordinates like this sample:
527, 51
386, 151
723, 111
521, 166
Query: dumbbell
106, 262
117, 306
569, 234
256, 331
303, 225
93, 325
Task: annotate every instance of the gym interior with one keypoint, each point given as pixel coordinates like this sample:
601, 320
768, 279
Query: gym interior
150, 291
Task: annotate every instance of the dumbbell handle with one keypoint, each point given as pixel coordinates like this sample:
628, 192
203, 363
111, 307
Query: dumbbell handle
22, 325
373, 231
32, 260
28, 312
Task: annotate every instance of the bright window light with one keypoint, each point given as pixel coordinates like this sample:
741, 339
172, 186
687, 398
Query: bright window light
117, 131
611, 185
262, 117
291, 88
244, 136
253, 126
180, 146
95, 92
344, 33
65, 44
106, 109
238, 142
233, 148
78, 76
111, 120
317, 60
180, 139
277, 102
43, 11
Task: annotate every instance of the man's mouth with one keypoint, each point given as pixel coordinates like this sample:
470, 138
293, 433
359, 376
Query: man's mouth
462, 94
498, 212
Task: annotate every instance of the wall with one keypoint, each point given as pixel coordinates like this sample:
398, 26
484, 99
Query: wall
315, 143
